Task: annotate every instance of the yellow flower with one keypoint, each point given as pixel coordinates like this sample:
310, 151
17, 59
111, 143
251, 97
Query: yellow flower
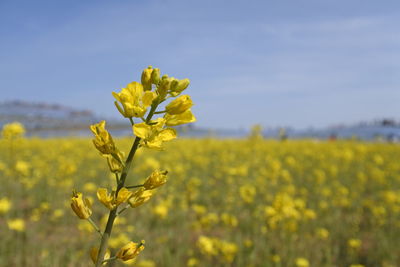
323, 233
5, 205
207, 245
156, 179
302, 262
139, 197
94, 251
161, 210
179, 105
109, 200
154, 135
103, 140
13, 130
16, 225
354, 243
228, 250
247, 192
80, 206
130, 251
192, 262
178, 119
134, 100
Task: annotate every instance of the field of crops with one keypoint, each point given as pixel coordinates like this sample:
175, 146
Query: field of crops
226, 203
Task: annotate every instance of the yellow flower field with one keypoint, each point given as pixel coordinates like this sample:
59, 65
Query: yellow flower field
226, 203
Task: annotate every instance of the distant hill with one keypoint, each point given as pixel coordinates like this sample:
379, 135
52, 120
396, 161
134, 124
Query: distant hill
47, 120
40, 117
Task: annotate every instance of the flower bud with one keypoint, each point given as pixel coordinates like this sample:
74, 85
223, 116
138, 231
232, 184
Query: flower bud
155, 76
130, 251
182, 85
179, 105
146, 78
80, 206
164, 86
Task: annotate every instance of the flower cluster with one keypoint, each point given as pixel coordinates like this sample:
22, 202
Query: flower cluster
135, 101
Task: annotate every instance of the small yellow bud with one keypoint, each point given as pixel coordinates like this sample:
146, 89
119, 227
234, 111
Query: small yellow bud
179, 105
156, 179
80, 206
155, 76
130, 251
94, 251
182, 85
139, 197
146, 78
164, 86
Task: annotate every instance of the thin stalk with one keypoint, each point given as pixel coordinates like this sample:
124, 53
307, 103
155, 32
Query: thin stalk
110, 259
113, 213
134, 186
94, 226
122, 210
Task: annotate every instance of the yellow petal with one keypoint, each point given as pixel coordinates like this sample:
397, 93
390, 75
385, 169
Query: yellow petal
167, 134
148, 98
142, 130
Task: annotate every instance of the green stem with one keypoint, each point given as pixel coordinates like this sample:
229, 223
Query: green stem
113, 213
110, 259
134, 186
94, 226
116, 178
160, 112
131, 120
122, 210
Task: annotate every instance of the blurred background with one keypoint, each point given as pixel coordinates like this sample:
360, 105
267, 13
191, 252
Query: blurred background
295, 157
315, 68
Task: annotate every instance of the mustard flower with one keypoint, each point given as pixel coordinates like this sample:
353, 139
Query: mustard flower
139, 197
154, 135
130, 251
103, 140
5, 205
178, 119
156, 179
134, 100
109, 200
179, 105
80, 206
13, 130
16, 225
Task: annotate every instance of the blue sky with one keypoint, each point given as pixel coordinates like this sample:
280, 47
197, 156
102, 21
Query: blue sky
279, 63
